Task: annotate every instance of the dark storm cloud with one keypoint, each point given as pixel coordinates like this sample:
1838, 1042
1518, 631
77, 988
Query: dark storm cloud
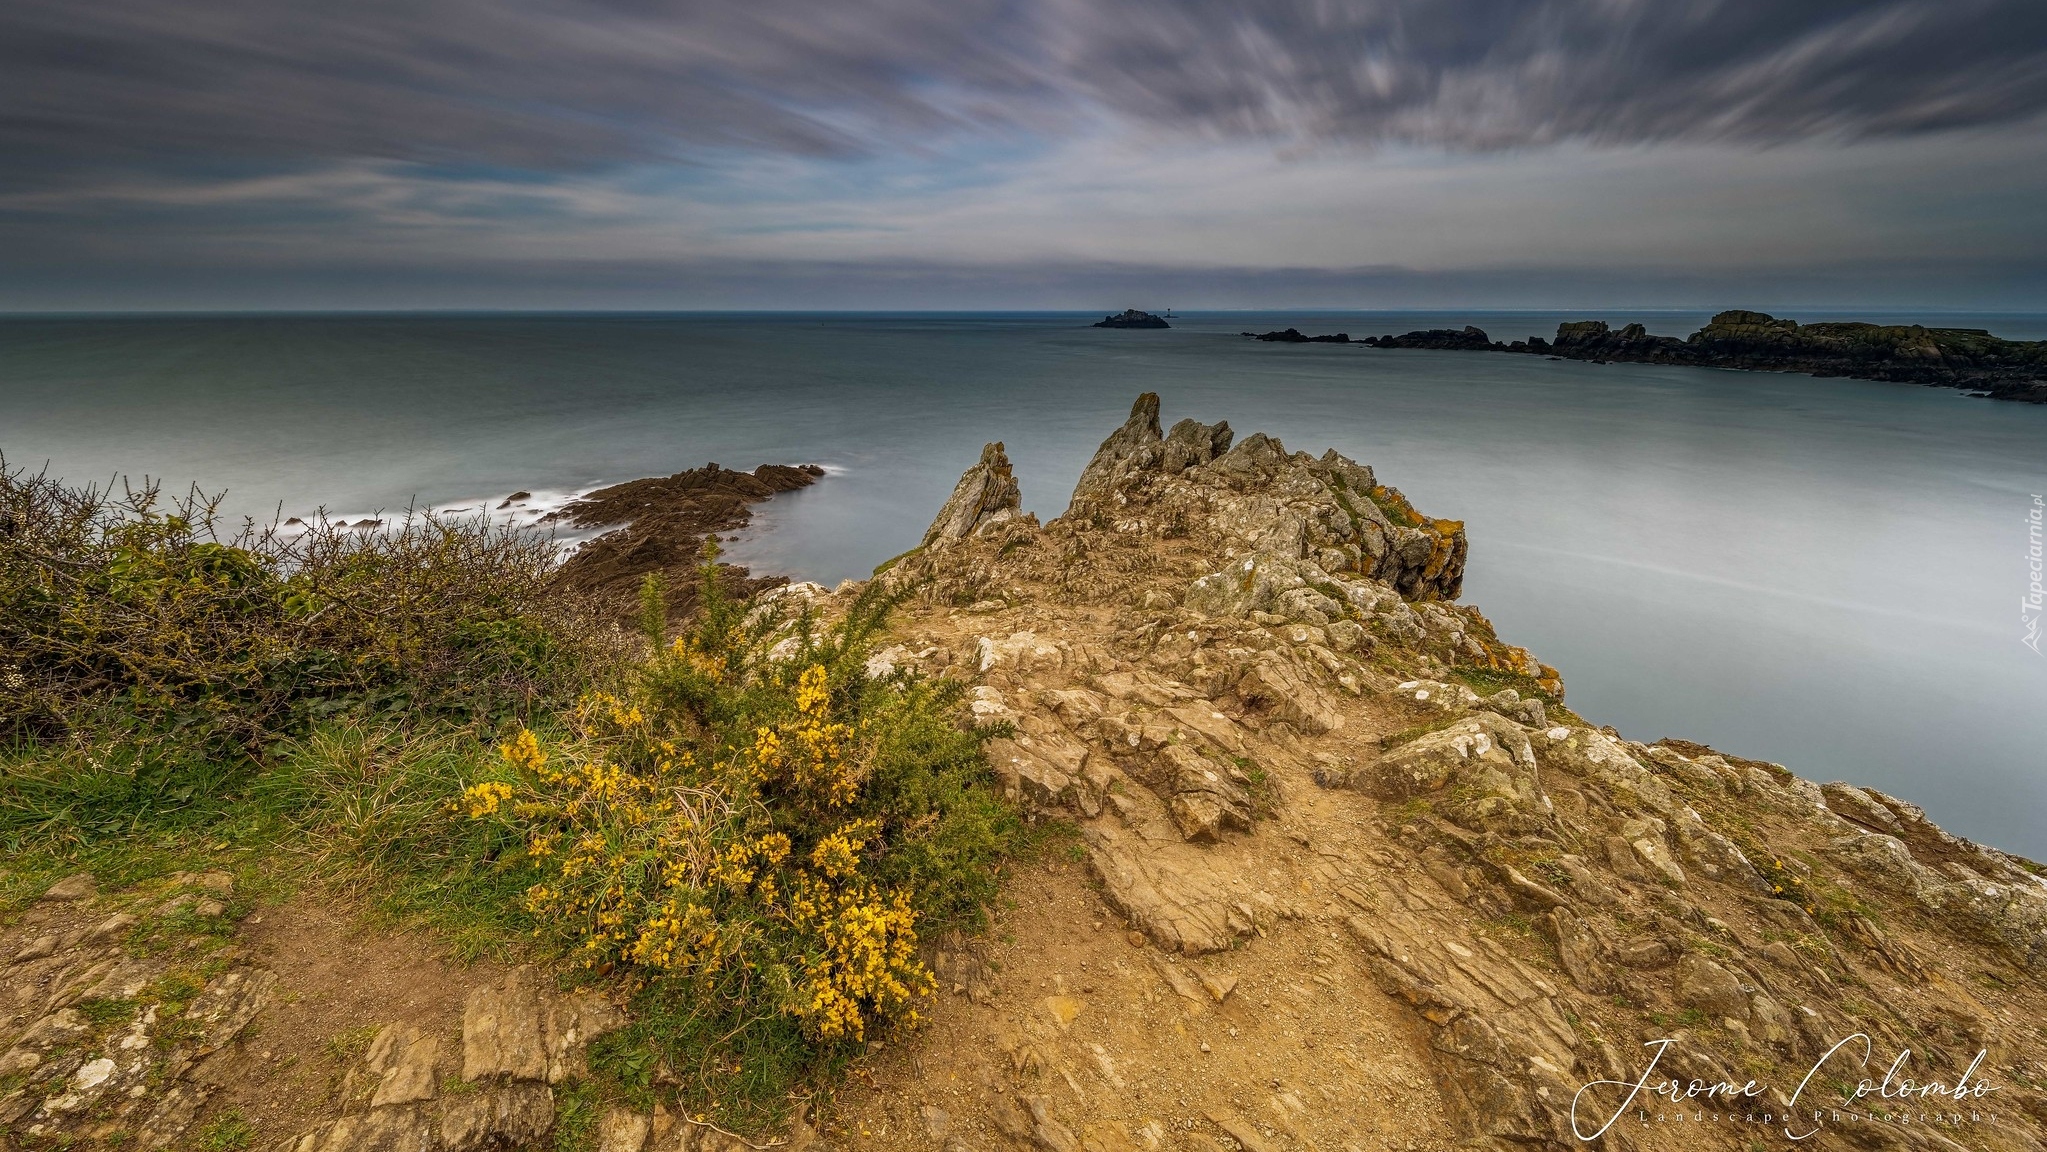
204, 87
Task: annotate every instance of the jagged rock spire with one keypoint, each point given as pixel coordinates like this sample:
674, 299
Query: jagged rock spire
1138, 447
986, 494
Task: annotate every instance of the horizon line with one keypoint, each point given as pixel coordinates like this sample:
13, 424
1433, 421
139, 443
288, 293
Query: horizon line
1888, 310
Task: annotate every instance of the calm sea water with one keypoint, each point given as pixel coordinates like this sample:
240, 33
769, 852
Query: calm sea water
1825, 573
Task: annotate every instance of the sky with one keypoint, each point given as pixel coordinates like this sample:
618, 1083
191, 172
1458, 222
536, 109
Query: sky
966, 154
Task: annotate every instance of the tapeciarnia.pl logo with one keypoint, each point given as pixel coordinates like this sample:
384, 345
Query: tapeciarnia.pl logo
2036, 596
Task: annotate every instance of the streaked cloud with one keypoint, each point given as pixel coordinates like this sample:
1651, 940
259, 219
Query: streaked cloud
1427, 135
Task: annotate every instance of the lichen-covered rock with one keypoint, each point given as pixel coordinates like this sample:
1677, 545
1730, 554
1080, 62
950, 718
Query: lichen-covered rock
1480, 772
1859, 806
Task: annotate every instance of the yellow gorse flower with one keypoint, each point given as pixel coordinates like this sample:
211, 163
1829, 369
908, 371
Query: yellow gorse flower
485, 799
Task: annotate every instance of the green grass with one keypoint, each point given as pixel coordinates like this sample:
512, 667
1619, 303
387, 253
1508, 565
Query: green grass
576, 1111
348, 1047
107, 1012
226, 1132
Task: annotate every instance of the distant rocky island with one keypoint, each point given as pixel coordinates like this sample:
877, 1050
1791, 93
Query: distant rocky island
1132, 318
1966, 358
1295, 336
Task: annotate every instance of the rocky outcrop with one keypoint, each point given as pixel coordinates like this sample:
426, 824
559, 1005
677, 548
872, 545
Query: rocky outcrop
1966, 358
661, 524
1297, 519
113, 1031
1131, 318
1465, 339
1295, 336
986, 495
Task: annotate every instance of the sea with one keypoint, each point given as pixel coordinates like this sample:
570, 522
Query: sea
1829, 574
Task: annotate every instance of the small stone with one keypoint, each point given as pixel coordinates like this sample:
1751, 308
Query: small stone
110, 927
1218, 987
1050, 1135
937, 1122
1063, 1010
1240, 1130
1188, 987
619, 1130
36, 949
72, 888
1645, 954
409, 1060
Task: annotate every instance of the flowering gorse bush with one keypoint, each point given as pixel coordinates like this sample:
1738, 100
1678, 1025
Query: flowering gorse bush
756, 835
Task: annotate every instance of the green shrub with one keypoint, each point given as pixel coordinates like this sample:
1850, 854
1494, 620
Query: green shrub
131, 616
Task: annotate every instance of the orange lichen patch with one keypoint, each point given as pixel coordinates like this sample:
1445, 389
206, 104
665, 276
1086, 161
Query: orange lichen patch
1446, 547
1396, 506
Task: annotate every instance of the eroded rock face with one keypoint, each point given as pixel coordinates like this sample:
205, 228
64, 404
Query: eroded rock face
986, 494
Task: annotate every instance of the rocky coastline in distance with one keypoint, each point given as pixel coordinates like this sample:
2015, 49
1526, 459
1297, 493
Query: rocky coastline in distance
1970, 359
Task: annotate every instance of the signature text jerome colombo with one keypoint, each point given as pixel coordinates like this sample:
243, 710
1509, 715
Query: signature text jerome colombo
1893, 1086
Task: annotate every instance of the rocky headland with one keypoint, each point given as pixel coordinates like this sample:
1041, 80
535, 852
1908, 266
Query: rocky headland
1334, 867
1970, 359
659, 525
1350, 873
1132, 318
